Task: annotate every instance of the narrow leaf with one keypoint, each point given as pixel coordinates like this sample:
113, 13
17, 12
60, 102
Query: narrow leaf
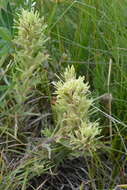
5, 34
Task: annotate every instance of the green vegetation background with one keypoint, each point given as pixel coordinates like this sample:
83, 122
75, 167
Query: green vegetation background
91, 35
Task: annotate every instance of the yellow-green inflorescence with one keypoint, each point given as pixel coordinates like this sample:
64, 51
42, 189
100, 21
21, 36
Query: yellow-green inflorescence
72, 113
29, 52
30, 40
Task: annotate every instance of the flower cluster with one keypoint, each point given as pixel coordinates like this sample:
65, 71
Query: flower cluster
30, 40
29, 52
72, 111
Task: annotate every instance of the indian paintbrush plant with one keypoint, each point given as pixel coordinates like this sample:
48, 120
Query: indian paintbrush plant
24, 75
74, 128
29, 56
29, 52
